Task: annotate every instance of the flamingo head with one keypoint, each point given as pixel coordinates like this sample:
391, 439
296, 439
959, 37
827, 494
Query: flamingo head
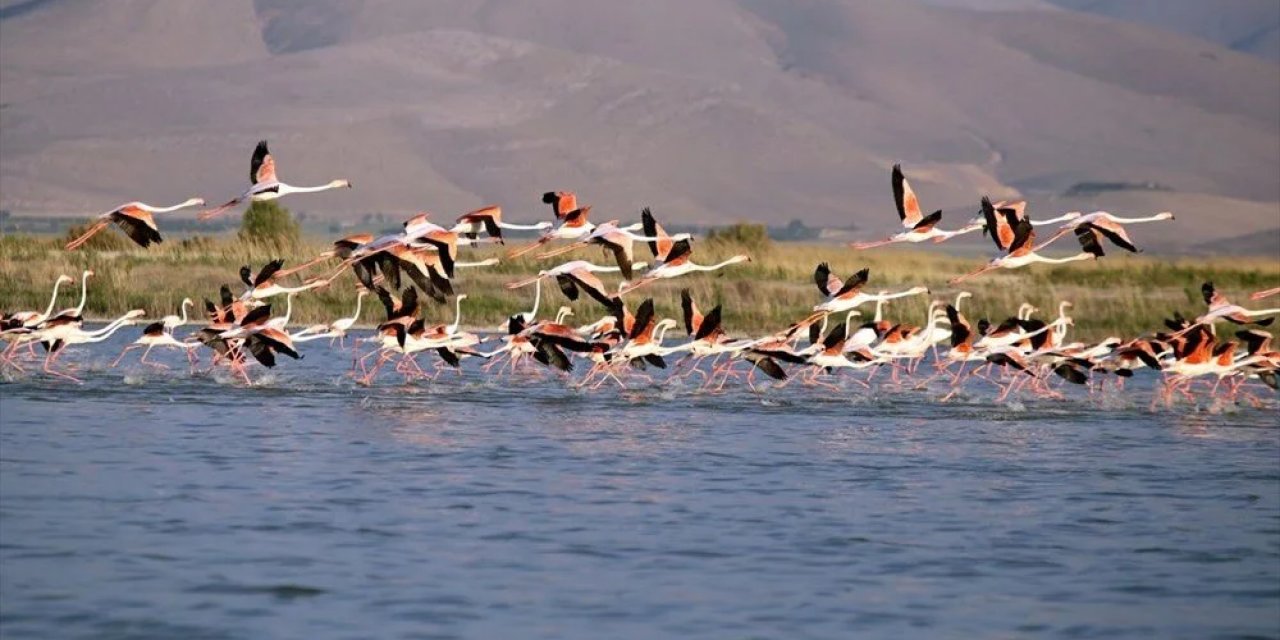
88, 273
136, 313
919, 290
186, 302
340, 184
639, 265
65, 279
1164, 215
193, 202
1072, 215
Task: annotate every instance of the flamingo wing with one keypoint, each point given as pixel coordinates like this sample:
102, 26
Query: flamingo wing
1088, 238
853, 283
710, 324
661, 247
1024, 238
692, 319
263, 167
928, 222
643, 320
905, 199
828, 283
1114, 232
268, 270
997, 225
588, 282
138, 225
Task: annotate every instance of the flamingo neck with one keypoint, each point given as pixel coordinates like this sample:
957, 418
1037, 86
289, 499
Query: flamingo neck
356, 316
185, 304
1132, 220
537, 299
522, 227
84, 293
879, 310
180, 205
288, 188
1079, 256
54, 299
457, 316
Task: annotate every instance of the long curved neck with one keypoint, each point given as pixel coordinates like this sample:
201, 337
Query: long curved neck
848, 318
879, 310
288, 310
185, 304
105, 332
84, 293
521, 227
718, 265
1131, 220
54, 299
457, 316
662, 332
1064, 218
356, 315
288, 188
1078, 256
180, 205
537, 299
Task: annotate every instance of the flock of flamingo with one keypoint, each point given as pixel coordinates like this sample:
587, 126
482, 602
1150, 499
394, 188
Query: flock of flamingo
1019, 353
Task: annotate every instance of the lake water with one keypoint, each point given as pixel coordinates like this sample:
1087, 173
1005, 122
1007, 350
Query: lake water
150, 504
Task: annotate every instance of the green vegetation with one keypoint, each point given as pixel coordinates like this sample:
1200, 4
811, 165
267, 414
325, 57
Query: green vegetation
1120, 295
269, 225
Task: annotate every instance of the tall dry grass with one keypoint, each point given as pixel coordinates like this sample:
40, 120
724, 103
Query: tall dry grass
1119, 295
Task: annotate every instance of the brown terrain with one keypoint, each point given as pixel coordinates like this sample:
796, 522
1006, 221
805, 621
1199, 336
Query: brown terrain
710, 111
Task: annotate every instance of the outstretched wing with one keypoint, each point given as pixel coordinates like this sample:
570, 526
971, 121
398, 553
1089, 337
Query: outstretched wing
263, 166
828, 283
268, 270
1089, 240
854, 282
905, 199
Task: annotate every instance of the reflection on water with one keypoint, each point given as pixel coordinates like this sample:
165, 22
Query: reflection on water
155, 504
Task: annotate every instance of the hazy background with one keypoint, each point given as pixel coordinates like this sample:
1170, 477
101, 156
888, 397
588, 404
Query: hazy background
711, 111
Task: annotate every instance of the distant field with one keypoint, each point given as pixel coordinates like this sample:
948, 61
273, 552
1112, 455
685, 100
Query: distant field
1121, 294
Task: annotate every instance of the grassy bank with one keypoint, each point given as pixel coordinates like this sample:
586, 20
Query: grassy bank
1121, 294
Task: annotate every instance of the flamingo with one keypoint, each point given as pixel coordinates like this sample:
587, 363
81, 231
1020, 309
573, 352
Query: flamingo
675, 263
847, 294
1222, 309
78, 310
265, 186
62, 332
135, 219
261, 338
31, 319
1110, 226
489, 219
1022, 249
264, 285
336, 330
160, 334
570, 225
919, 226
574, 275
613, 238
995, 219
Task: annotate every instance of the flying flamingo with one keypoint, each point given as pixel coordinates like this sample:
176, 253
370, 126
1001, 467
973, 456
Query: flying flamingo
672, 258
1222, 309
995, 219
615, 239
574, 275
1022, 249
489, 219
1112, 227
264, 184
135, 219
264, 285
919, 226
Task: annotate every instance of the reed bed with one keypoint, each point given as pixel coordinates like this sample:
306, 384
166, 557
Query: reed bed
1121, 295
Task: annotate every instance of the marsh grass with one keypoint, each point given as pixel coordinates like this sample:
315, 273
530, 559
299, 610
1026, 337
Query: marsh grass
1121, 295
